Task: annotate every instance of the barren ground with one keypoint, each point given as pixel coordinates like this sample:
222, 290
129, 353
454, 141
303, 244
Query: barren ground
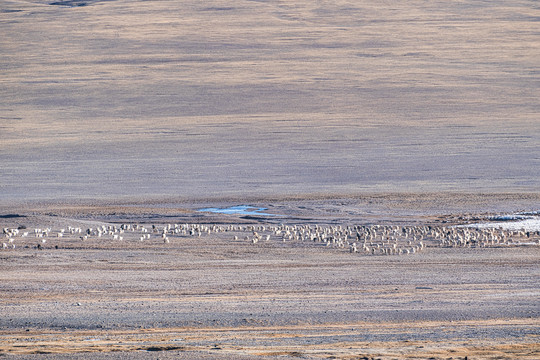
324, 112
214, 296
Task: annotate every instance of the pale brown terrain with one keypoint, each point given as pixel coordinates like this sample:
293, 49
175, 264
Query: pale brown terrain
215, 296
123, 99
329, 113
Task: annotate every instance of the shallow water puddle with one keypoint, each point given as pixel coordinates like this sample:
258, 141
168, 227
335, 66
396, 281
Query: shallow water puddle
239, 210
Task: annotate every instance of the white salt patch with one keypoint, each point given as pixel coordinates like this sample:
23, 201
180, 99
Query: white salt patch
512, 222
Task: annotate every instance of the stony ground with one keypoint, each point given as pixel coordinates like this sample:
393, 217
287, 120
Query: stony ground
217, 296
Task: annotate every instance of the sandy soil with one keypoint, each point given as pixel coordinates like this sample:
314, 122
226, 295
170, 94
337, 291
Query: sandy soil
216, 296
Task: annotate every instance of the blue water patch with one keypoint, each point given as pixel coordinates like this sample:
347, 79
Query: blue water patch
239, 210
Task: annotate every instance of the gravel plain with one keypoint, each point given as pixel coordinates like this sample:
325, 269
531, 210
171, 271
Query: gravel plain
217, 296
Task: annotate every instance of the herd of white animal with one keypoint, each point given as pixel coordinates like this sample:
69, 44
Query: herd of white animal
368, 240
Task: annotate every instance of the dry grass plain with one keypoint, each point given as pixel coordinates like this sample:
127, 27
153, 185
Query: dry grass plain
334, 113
123, 99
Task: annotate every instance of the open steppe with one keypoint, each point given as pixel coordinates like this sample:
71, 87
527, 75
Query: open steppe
329, 113
217, 296
239, 98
